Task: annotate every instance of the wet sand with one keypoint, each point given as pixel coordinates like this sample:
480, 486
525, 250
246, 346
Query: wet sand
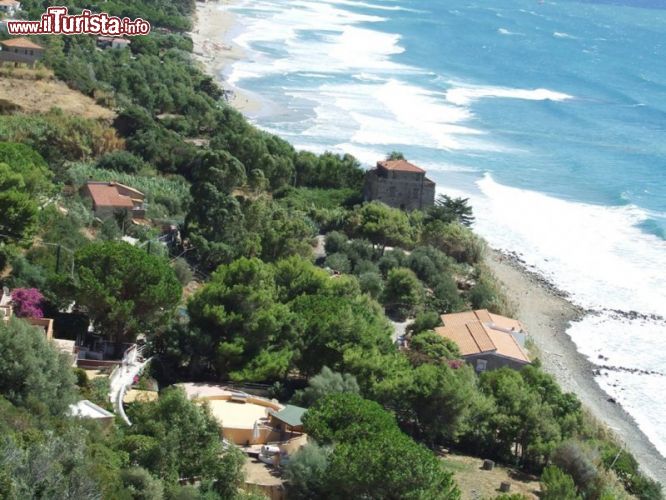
546, 314
214, 50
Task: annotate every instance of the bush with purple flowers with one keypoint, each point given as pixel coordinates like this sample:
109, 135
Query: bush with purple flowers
27, 303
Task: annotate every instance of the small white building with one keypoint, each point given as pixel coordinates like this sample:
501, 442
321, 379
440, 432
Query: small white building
9, 7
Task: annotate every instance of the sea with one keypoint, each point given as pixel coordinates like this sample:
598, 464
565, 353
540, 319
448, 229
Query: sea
550, 116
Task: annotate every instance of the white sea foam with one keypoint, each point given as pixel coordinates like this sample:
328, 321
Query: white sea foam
375, 6
389, 112
506, 32
629, 344
596, 253
313, 37
604, 261
465, 95
559, 34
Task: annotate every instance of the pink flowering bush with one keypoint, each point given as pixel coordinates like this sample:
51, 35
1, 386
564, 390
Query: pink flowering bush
27, 303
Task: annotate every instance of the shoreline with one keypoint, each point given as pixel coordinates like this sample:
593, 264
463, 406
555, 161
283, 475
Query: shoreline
547, 313
544, 309
213, 49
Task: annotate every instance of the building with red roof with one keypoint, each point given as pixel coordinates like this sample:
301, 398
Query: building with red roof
487, 341
20, 51
399, 184
109, 198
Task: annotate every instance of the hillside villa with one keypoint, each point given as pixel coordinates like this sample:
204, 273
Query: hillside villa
399, 184
110, 198
267, 431
20, 51
487, 341
248, 420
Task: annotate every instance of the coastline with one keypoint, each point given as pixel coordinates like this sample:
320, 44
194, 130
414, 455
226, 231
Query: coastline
214, 50
544, 310
547, 314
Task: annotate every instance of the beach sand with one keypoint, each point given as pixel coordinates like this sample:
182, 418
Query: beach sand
546, 314
214, 50
544, 311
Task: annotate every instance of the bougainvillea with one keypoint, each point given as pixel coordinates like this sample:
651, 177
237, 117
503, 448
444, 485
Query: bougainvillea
27, 303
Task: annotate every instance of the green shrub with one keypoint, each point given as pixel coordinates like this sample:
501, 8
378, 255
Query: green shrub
306, 472
371, 283
183, 271
454, 240
403, 293
121, 161
487, 294
335, 242
338, 262
557, 485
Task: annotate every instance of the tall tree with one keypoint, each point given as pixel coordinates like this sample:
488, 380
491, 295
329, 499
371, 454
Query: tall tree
329, 325
324, 383
447, 210
403, 293
383, 225
251, 332
124, 289
371, 457
175, 439
27, 163
32, 372
17, 206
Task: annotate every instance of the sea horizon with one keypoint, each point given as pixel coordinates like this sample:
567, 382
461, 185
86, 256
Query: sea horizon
546, 115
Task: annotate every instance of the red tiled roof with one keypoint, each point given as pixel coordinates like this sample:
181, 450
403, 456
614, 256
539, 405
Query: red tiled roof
107, 195
9, 2
400, 166
22, 42
477, 332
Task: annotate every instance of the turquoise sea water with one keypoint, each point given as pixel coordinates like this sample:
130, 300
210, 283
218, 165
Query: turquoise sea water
551, 116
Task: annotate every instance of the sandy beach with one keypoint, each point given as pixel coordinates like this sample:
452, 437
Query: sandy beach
214, 50
546, 314
544, 310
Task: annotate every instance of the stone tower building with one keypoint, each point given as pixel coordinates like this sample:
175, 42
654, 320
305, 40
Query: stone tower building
399, 184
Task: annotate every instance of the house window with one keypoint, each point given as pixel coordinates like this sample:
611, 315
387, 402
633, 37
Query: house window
31, 52
481, 365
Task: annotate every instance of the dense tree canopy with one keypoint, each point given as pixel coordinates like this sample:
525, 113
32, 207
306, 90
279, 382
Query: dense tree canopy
123, 288
383, 226
251, 203
324, 383
175, 439
33, 373
370, 456
248, 331
257, 321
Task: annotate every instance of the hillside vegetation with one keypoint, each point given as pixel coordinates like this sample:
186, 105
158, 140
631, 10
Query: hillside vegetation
247, 207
